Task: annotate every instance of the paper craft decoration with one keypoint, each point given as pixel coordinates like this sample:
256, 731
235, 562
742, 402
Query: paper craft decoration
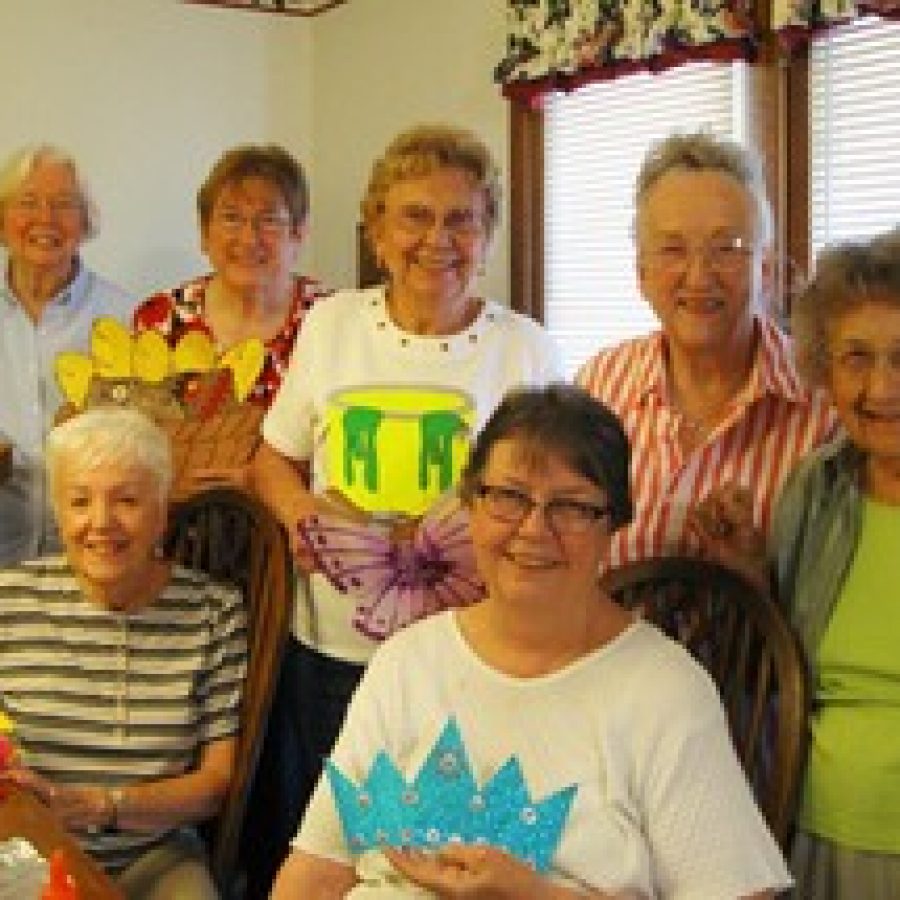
398, 573
8, 750
195, 395
444, 804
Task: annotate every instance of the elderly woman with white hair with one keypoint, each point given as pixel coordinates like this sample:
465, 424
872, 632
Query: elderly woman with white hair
122, 674
48, 301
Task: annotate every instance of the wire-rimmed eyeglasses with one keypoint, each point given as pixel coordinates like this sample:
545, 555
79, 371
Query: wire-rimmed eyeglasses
269, 224
418, 219
63, 204
673, 253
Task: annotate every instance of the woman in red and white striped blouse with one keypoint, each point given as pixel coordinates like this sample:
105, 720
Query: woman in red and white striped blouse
712, 404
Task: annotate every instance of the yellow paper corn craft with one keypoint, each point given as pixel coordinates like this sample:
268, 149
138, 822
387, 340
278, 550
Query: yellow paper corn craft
8, 750
130, 362
196, 394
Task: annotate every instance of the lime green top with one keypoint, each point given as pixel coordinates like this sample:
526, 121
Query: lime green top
852, 791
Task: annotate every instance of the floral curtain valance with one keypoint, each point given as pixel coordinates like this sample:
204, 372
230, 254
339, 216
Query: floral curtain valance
561, 44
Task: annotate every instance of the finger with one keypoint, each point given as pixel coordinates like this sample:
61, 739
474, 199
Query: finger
737, 507
304, 558
464, 855
418, 867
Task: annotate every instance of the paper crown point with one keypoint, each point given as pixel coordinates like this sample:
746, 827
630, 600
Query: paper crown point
444, 804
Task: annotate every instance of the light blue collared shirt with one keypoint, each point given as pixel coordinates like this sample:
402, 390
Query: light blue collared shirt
30, 397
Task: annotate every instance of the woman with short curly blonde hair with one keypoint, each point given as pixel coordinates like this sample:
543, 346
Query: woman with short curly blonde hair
396, 380
848, 275
426, 149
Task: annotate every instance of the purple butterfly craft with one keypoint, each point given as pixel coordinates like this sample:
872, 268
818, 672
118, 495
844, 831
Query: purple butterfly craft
397, 573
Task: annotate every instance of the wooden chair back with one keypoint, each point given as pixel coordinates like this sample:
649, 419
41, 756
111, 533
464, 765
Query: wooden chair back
743, 640
232, 537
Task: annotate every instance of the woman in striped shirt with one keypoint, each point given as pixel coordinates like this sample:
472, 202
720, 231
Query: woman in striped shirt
121, 674
713, 407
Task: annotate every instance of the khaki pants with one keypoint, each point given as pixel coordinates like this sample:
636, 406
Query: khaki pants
176, 869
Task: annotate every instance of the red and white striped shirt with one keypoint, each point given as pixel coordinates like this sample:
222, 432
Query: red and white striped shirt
774, 421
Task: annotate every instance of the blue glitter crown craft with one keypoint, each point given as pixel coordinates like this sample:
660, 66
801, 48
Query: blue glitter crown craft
444, 804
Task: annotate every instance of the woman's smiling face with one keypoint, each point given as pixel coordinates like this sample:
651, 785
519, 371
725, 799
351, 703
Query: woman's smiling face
432, 235
533, 561
864, 375
110, 518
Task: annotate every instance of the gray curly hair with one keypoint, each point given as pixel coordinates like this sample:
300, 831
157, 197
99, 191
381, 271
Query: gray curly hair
847, 275
701, 151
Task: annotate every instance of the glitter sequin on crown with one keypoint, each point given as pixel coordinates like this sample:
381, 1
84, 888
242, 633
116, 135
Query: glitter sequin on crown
444, 804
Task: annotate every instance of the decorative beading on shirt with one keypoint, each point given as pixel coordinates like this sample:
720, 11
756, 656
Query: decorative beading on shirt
444, 804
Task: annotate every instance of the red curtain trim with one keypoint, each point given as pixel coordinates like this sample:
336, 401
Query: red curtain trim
531, 93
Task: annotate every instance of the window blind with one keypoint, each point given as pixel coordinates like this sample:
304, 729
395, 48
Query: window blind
854, 96
595, 140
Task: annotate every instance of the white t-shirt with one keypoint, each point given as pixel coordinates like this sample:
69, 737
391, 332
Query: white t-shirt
662, 804
387, 418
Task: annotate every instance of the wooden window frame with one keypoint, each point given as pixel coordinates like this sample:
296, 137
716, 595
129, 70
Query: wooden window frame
779, 128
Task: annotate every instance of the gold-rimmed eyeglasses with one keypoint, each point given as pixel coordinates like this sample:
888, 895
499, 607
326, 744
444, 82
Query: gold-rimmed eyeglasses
418, 220
727, 253
63, 204
269, 224
564, 515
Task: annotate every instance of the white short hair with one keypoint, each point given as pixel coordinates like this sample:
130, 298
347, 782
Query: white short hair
701, 151
24, 161
106, 436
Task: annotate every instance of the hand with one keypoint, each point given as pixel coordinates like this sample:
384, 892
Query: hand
79, 807
304, 559
469, 871
723, 524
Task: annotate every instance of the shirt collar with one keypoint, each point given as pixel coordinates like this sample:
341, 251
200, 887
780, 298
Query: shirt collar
773, 370
72, 294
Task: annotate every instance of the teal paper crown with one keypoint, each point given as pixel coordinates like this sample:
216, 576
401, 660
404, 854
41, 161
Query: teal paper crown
444, 805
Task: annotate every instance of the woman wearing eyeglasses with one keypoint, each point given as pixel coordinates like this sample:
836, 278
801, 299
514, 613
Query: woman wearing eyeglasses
253, 209
834, 545
389, 386
48, 301
711, 401
547, 669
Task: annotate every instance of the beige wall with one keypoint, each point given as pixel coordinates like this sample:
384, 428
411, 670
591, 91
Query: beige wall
380, 66
147, 93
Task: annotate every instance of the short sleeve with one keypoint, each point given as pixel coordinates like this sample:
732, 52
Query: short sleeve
707, 837
222, 684
289, 424
372, 723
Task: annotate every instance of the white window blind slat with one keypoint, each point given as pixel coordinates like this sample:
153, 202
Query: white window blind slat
595, 140
854, 98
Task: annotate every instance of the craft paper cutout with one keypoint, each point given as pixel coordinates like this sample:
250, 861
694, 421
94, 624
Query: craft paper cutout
194, 395
444, 804
8, 750
397, 448
150, 358
194, 352
398, 573
111, 349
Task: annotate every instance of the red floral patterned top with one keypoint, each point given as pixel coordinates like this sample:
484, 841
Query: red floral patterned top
175, 312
